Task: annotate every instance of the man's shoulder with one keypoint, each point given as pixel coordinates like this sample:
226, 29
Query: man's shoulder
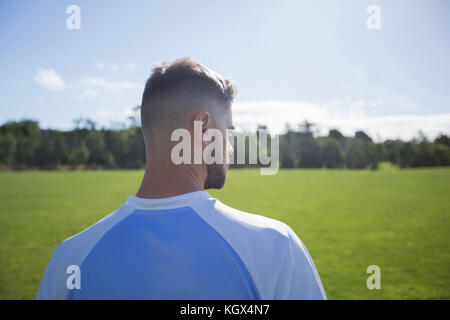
264, 245
78, 246
252, 225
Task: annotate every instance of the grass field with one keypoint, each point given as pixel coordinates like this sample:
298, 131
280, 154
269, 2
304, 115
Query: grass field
396, 219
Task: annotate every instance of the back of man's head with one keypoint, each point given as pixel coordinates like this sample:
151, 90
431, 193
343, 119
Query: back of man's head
175, 91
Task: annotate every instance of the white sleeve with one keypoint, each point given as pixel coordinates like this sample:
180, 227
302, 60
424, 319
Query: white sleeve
298, 279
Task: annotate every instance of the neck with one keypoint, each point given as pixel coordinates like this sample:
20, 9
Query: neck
162, 181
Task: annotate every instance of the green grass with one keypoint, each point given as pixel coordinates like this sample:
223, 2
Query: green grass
396, 219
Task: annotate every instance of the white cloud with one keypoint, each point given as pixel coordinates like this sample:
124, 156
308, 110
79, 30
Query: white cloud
109, 114
88, 93
345, 115
109, 99
49, 79
132, 112
131, 65
103, 83
106, 115
111, 66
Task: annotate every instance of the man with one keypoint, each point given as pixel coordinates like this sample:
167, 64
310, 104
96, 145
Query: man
172, 240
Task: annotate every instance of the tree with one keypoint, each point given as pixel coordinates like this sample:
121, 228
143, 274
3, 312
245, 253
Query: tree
361, 154
136, 149
441, 154
52, 150
7, 149
79, 155
423, 155
391, 151
24, 145
443, 139
289, 150
287, 158
96, 145
27, 136
331, 153
309, 153
306, 128
407, 155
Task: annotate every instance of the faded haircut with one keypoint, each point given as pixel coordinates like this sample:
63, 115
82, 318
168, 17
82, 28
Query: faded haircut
175, 88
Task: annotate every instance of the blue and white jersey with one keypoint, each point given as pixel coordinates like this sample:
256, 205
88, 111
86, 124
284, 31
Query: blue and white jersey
190, 246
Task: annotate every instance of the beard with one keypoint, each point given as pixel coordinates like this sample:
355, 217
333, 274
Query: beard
216, 176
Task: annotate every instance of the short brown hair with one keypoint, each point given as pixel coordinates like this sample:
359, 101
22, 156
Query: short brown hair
180, 84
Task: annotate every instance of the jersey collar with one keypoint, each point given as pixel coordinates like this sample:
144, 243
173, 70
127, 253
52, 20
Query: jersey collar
182, 200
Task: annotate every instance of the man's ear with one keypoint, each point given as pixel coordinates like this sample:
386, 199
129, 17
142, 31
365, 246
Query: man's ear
205, 118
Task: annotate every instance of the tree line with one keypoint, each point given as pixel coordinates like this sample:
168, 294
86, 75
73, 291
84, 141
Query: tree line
301, 149
24, 145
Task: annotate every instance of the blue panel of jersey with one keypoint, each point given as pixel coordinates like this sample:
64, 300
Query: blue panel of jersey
164, 254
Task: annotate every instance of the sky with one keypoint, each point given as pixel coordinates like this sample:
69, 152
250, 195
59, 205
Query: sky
291, 60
